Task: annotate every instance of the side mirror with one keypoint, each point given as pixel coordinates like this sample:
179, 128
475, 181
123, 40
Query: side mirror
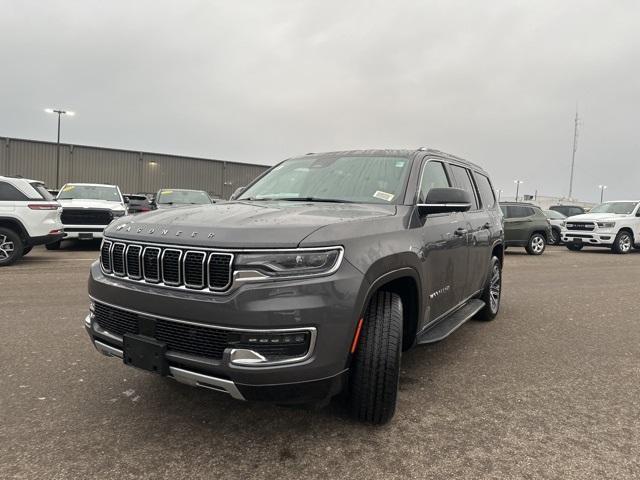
126, 199
237, 193
445, 200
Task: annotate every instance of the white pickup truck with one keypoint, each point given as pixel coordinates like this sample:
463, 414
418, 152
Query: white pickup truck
615, 225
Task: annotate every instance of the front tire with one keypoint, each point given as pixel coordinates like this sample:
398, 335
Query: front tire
554, 239
375, 371
623, 243
492, 292
11, 247
536, 245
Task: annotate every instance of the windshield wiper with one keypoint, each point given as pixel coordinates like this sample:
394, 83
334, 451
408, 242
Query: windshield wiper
299, 199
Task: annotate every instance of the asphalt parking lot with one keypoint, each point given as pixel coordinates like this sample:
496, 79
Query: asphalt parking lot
547, 390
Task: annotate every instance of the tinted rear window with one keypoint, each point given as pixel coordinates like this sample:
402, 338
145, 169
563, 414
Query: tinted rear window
44, 193
487, 196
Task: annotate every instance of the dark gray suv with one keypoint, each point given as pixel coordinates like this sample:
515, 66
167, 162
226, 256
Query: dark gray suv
311, 282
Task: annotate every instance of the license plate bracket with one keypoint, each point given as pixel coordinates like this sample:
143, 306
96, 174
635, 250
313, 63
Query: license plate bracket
145, 353
85, 236
577, 240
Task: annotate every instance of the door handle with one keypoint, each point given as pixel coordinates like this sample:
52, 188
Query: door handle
460, 232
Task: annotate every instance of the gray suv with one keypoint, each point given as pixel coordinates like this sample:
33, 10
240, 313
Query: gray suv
311, 282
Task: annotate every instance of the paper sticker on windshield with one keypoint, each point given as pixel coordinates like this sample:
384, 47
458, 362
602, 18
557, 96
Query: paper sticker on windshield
166, 192
400, 163
68, 188
383, 196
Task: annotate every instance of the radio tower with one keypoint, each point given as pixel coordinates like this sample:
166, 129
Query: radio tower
573, 154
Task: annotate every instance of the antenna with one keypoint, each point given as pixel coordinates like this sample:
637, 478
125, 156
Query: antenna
576, 124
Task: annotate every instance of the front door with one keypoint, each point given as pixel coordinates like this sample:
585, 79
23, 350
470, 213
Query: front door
444, 251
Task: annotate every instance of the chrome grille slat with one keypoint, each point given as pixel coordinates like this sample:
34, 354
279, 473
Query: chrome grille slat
117, 259
134, 266
194, 268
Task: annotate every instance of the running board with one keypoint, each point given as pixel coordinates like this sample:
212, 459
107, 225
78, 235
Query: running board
450, 324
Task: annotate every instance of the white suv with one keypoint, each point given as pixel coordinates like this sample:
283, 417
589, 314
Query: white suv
615, 225
87, 208
29, 216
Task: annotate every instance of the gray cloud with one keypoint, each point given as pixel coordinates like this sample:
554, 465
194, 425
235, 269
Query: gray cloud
258, 81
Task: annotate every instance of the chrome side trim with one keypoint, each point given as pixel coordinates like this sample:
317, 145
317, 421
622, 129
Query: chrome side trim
205, 381
242, 356
313, 332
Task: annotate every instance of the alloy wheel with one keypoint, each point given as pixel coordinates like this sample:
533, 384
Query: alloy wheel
537, 244
6, 247
624, 243
494, 287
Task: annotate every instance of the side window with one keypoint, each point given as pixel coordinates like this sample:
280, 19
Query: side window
433, 176
485, 190
517, 211
461, 176
10, 193
505, 211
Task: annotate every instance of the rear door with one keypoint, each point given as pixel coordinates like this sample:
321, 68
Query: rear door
478, 233
8, 196
444, 251
518, 223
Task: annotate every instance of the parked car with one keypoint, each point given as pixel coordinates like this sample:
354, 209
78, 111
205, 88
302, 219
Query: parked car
525, 226
568, 210
87, 208
614, 225
174, 197
29, 216
139, 203
311, 283
556, 219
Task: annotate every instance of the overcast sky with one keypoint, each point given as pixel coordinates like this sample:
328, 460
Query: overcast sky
258, 81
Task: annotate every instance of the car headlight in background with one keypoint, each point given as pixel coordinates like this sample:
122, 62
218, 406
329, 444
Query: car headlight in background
118, 213
290, 263
606, 224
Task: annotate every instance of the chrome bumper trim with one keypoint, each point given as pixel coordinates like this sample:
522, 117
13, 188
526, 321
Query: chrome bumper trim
183, 376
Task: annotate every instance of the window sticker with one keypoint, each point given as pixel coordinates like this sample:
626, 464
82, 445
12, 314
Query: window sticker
68, 188
166, 192
383, 196
400, 163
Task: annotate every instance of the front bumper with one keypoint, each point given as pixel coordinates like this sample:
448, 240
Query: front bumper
44, 239
326, 305
596, 238
84, 232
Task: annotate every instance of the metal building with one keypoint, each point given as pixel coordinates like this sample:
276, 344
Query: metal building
133, 171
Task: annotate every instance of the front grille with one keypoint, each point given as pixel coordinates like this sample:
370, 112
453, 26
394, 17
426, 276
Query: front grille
194, 269
209, 342
86, 216
586, 226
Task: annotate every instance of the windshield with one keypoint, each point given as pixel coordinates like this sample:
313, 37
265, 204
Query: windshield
182, 197
331, 178
622, 208
554, 215
89, 192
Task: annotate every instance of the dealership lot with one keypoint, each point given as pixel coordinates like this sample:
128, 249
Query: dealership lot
549, 389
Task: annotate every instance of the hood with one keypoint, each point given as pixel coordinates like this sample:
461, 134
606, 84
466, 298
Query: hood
596, 217
242, 224
86, 203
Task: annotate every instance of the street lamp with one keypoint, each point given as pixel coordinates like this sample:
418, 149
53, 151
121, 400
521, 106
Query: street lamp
518, 183
59, 112
602, 189
499, 192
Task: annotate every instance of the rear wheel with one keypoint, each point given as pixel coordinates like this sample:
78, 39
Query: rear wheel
623, 243
11, 247
53, 245
375, 371
492, 292
574, 247
536, 245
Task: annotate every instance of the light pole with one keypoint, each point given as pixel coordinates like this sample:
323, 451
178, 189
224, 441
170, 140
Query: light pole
518, 183
602, 189
499, 192
59, 112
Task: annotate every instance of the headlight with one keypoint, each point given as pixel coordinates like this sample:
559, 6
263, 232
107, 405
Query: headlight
118, 213
606, 224
291, 263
